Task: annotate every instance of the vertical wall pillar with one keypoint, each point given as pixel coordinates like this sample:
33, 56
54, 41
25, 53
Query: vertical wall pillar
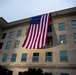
0, 32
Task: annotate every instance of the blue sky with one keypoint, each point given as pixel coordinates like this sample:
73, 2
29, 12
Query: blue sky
12, 10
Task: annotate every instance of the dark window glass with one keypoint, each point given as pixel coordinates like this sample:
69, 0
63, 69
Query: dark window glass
49, 73
73, 24
9, 72
61, 26
4, 35
19, 33
63, 56
16, 43
21, 73
4, 57
1, 44
64, 73
74, 37
62, 39
50, 28
13, 59
35, 57
24, 57
8, 44
48, 56
11, 34
49, 40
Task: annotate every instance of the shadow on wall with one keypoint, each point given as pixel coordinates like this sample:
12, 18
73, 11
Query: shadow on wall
53, 41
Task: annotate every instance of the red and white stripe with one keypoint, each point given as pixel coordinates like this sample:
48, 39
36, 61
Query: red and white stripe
36, 37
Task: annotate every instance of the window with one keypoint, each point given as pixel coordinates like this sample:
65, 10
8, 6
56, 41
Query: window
4, 35
61, 26
11, 34
50, 28
21, 73
4, 57
35, 57
19, 33
16, 43
13, 57
74, 37
26, 31
62, 39
8, 44
63, 56
48, 56
64, 73
1, 44
9, 72
73, 24
24, 57
49, 73
49, 40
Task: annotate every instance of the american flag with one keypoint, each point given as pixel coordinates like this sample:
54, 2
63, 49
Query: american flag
37, 34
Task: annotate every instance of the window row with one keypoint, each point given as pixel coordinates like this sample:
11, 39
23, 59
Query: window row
61, 26
17, 42
62, 40
46, 73
48, 57
8, 44
12, 34
19, 33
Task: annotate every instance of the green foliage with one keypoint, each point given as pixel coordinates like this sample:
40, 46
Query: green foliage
33, 71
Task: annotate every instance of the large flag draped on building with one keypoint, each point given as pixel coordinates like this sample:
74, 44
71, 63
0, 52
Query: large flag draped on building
37, 33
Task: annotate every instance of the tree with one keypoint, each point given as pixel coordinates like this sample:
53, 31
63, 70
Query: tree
5, 71
33, 71
2, 70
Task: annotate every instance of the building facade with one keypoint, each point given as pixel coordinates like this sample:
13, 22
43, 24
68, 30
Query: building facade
58, 57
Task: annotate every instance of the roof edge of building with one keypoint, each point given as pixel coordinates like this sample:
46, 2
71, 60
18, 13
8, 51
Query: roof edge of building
60, 12
54, 14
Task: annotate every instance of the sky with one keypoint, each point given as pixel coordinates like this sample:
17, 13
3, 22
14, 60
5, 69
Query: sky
12, 10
